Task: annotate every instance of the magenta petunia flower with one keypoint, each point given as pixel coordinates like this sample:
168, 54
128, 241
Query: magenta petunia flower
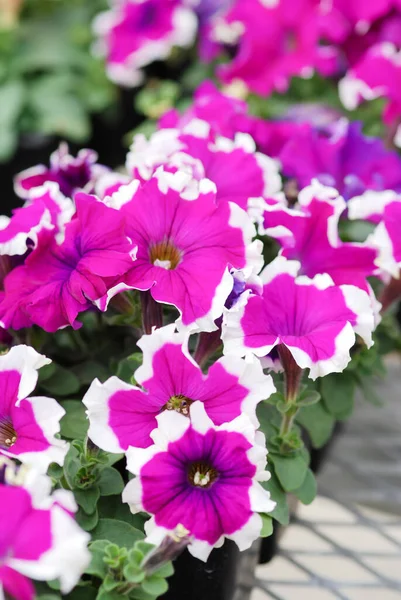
310, 235
28, 425
342, 157
122, 415
238, 171
39, 542
377, 74
72, 174
339, 19
386, 237
47, 208
313, 318
58, 281
274, 41
187, 244
134, 34
202, 477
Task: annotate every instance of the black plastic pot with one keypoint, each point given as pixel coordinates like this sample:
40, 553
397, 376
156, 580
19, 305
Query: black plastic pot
214, 580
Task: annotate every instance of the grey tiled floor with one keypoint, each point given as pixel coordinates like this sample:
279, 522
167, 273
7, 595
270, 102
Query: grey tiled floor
347, 544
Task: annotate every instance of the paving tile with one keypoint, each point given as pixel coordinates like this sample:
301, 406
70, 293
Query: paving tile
379, 593
358, 538
259, 595
292, 592
337, 569
299, 537
393, 531
280, 569
326, 510
380, 516
387, 567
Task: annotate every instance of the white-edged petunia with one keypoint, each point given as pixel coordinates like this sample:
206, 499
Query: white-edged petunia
202, 477
123, 415
187, 244
28, 425
313, 318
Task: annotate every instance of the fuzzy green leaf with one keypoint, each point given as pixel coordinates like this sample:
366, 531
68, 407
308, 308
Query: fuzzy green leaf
110, 482
97, 566
318, 422
74, 425
290, 470
338, 391
117, 532
307, 492
87, 498
155, 585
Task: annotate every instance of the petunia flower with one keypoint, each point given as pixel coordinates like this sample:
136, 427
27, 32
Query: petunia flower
313, 318
58, 281
134, 34
46, 208
273, 42
386, 237
39, 542
309, 234
340, 156
202, 477
376, 75
238, 171
187, 244
71, 174
28, 425
122, 415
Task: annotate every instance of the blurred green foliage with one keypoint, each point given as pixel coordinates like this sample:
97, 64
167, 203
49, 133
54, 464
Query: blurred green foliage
50, 81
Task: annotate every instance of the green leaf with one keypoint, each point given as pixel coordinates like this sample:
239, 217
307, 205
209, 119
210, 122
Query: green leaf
46, 372
74, 425
281, 512
110, 482
90, 370
308, 398
338, 391
117, 532
112, 507
108, 595
290, 470
128, 366
133, 573
12, 98
72, 465
155, 585
318, 422
267, 527
87, 498
97, 565
62, 382
307, 492
8, 142
87, 522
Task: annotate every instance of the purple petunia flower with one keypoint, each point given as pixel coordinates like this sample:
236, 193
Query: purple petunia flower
342, 157
58, 281
134, 34
28, 425
187, 244
202, 477
72, 174
122, 415
313, 318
